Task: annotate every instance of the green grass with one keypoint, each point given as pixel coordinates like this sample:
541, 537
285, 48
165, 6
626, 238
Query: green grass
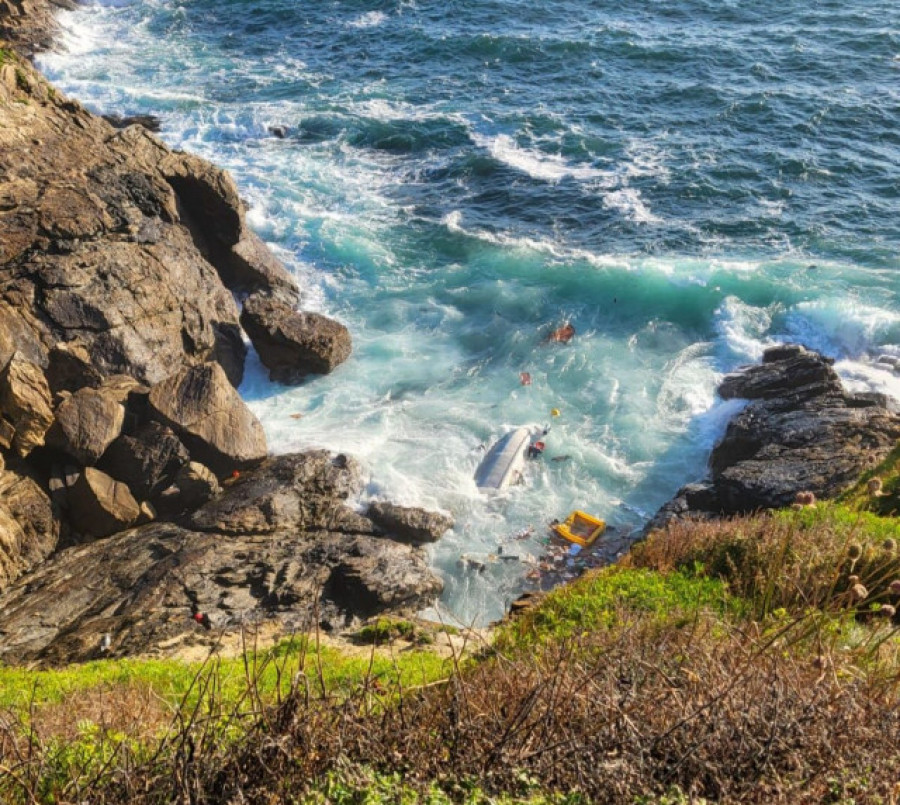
598, 600
174, 680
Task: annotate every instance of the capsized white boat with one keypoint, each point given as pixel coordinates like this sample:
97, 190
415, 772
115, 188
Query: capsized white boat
504, 462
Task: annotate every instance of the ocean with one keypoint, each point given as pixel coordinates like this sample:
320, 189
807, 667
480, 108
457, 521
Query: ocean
686, 182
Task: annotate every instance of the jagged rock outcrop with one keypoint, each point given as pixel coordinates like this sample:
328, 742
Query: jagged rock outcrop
800, 432
193, 486
115, 244
29, 24
120, 350
409, 524
264, 549
285, 492
210, 418
291, 344
147, 460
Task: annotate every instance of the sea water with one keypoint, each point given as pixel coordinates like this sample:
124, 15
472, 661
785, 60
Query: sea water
686, 182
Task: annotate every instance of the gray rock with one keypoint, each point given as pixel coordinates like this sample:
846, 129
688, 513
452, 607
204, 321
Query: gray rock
25, 404
790, 372
376, 578
210, 418
86, 424
100, 505
292, 345
194, 486
412, 525
143, 586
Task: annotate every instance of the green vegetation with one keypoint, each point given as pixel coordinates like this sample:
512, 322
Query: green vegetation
174, 681
755, 660
6, 56
606, 597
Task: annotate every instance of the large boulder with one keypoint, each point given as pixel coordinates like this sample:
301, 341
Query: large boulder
100, 505
24, 404
375, 578
69, 368
789, 372
209, 416
291, 344
87, 423
147, 460
29, 529
213, 210
408, 524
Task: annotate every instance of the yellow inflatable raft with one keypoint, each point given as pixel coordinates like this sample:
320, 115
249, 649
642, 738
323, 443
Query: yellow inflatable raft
580, 528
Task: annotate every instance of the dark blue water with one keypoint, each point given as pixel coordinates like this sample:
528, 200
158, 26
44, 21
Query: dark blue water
687, 182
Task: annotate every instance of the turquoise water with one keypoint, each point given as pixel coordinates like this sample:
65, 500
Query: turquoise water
686, 182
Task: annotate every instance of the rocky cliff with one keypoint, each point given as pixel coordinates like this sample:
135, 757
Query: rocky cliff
135, 488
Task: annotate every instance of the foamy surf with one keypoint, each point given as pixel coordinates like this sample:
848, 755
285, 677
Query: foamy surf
454, 196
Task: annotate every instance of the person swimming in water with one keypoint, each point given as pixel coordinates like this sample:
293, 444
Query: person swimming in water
562, 334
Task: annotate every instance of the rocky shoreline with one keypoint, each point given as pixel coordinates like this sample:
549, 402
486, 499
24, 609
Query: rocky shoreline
800, 434
139, 508
140, 511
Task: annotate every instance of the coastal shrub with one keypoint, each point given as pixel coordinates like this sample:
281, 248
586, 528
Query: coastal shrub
383, 630
677, 697
878, 489
795, 559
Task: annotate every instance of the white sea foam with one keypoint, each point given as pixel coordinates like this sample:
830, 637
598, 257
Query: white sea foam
628, 201
536, 164
371, 19
840, 327
743, 329
439, 346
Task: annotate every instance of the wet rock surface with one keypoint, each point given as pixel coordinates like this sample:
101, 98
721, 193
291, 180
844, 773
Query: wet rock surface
800, 432
291, 344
